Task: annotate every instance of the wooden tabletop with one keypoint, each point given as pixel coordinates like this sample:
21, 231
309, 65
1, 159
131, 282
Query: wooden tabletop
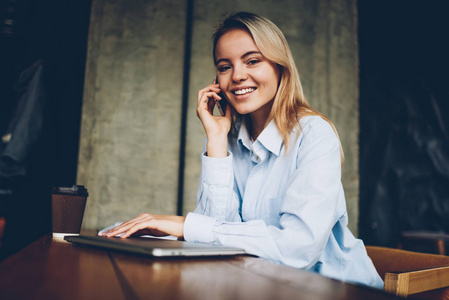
52, 269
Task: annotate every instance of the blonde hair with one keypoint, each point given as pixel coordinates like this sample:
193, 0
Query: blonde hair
289, 104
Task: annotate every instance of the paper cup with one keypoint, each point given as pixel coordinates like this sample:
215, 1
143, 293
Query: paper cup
68, 206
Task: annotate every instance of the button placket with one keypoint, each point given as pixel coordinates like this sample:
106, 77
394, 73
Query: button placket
250, 197
259, 151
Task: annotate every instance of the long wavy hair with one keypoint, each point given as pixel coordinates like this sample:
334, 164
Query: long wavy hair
289, 104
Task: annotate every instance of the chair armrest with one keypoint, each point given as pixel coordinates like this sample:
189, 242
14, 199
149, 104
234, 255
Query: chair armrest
406, 283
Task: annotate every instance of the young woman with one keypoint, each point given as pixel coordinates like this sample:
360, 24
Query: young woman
271, 172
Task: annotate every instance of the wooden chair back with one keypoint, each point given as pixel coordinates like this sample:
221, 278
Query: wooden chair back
406, 272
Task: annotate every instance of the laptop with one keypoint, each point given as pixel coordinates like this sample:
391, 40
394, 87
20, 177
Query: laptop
154, 246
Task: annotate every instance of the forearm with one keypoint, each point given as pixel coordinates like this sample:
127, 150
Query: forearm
217, 145
290, 246
216, 196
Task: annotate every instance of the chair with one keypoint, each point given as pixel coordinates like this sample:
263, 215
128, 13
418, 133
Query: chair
424, 276
424, 241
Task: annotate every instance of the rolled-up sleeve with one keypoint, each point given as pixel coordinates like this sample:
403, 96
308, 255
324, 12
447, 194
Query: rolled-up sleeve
216, 197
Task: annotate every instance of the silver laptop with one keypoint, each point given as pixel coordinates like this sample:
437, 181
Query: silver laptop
154, 246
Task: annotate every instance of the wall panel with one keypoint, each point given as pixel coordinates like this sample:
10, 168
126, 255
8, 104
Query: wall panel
131, 111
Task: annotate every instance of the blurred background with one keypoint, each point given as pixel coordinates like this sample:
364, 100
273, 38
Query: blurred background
103, 94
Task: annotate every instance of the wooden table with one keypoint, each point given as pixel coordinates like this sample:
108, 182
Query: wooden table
51, 269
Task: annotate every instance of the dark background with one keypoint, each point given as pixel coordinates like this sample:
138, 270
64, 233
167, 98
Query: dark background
404, 119
54, 31
404, 138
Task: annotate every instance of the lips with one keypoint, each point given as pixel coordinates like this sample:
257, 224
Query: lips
243, 91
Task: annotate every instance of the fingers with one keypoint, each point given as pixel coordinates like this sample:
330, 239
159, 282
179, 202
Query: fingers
157, 225
210, 88
206, 107
138, 227
126, 225
204, 95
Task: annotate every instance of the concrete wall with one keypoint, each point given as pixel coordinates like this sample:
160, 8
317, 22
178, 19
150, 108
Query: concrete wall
130, 135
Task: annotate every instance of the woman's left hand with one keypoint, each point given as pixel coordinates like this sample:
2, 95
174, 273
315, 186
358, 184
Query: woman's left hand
157, 225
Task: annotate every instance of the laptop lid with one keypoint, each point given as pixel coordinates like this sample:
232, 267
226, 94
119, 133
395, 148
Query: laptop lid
154, 246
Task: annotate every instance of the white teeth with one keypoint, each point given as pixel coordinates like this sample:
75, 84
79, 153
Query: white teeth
244, 91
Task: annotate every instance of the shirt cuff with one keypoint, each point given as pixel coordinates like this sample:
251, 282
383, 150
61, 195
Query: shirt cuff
198, 228
216, 171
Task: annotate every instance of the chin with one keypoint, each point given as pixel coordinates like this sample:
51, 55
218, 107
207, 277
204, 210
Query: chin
244, 111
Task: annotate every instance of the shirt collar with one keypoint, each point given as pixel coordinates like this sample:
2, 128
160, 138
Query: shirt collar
270, 138
243, 137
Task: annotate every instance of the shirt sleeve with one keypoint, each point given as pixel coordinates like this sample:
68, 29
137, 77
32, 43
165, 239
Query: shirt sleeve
308, 211
216, 197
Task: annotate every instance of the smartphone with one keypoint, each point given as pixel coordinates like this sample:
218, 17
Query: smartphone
221, 104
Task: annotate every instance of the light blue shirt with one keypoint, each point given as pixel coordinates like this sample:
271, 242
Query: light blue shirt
288, 207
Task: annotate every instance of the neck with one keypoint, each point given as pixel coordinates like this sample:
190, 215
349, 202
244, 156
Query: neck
257, 122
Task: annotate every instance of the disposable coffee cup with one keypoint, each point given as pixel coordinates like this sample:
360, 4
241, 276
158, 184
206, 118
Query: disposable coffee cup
67, 209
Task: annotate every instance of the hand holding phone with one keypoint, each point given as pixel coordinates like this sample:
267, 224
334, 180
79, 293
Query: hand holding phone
216, 125
221, 104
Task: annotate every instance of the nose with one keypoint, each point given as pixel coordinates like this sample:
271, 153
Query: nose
239, 74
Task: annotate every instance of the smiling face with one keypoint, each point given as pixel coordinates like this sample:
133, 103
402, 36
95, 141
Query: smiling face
248, 80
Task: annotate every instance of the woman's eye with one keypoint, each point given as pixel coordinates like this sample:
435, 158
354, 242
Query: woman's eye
223, 68
253, 61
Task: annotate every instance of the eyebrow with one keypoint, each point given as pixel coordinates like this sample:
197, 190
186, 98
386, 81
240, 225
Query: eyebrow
241, 57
